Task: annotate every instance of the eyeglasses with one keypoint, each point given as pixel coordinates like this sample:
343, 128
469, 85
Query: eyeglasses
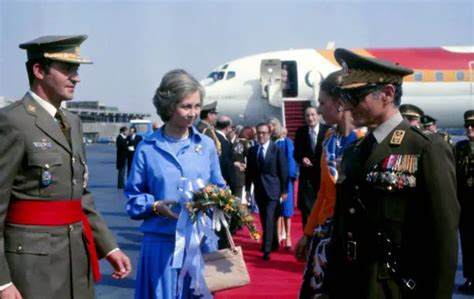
355, 95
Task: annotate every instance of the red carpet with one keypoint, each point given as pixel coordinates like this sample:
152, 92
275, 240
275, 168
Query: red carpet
280, 277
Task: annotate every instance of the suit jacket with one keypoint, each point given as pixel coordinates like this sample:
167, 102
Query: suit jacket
271, 177
303, 149
226, 160
133, 142
45, 261
405, 191
121, 145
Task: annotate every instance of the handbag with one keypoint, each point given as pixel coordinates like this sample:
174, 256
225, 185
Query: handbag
225, 268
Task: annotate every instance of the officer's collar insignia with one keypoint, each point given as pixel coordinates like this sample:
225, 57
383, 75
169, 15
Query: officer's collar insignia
397, 137
31, 108
43, 144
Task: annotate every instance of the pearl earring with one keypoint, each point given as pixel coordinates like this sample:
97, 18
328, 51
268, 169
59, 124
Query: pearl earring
339, 109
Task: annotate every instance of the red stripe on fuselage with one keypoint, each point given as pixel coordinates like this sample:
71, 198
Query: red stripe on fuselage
428, 58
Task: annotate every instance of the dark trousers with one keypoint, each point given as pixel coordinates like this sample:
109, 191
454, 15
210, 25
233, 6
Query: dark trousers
268, 211
129, 161
307, 193
466, 232
121, 176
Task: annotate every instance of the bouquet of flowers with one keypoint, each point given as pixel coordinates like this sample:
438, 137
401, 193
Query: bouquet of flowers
213, 196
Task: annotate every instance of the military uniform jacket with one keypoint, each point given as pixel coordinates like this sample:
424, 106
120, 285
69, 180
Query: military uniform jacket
45, 261
465, 172
406, 192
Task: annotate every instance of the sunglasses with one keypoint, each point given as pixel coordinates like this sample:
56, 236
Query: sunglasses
468, 125
355, 95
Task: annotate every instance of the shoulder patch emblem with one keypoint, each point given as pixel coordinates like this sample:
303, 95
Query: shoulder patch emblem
397, 137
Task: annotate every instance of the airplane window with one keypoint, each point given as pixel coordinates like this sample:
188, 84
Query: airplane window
439, 76
220, 75
213, 76
230, 75
418, 76
225, 66
460, 75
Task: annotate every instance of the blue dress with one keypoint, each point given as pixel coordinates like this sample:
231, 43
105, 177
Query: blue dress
288, 148
158, 166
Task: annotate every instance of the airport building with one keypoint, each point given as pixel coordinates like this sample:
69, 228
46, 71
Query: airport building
99, 122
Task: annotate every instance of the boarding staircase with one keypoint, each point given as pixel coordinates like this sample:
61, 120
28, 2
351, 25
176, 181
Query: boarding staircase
293, 112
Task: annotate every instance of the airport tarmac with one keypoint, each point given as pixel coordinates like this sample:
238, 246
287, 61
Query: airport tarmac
110, 201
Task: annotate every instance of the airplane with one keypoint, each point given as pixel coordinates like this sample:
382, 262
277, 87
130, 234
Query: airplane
281, 84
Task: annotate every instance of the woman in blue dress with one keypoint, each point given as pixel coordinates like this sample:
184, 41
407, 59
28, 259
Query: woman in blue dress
174, 153
284, 222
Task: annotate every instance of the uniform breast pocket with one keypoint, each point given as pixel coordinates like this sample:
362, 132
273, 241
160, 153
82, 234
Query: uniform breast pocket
45, 169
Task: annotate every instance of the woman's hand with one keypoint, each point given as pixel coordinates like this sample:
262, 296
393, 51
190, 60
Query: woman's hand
163, 207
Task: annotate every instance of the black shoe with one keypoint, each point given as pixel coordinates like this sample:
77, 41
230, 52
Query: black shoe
467, 287
266, 256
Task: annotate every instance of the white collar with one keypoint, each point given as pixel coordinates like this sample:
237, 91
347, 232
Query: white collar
45, 104
221, 133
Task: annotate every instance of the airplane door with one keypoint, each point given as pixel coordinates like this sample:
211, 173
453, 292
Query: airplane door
270, 81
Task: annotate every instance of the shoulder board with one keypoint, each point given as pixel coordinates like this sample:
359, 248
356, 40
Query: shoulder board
419, 132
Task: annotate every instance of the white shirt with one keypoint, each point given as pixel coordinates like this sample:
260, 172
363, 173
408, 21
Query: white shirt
264, 148
45, 104
382, 131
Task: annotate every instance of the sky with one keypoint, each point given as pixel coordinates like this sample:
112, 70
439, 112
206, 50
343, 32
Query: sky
134, 43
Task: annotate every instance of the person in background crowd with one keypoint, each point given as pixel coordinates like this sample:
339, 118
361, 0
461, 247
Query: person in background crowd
240, 150
412, 114
396, 215
206, 125
121, 162
312, 247
284, 221
132, 142
308, 148
51, 234
429, 124
464, 153
267, 169
173, 152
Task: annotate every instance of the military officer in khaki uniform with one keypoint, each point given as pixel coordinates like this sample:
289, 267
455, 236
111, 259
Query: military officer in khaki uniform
429, 124
412, 114
206, 125
396, 215
464, 153
51, 235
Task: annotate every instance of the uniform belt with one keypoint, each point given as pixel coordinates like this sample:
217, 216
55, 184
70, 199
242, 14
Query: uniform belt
54, 213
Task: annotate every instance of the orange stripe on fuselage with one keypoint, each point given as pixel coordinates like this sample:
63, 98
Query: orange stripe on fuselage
427, 75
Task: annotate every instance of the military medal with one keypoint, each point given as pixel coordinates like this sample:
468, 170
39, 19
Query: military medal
46, 178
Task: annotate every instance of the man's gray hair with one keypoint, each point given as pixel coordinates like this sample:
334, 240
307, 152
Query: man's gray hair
175, 86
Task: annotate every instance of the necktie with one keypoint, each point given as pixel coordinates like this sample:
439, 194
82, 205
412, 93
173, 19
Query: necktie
261, 158
64, 125
313, 138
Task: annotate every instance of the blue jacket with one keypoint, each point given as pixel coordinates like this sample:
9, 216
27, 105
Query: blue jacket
156, 175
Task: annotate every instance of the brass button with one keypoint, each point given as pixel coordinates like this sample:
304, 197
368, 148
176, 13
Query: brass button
74, 181
73, 160
19, 249
71, 228
389, 188
46, 166
356, 187
352, 211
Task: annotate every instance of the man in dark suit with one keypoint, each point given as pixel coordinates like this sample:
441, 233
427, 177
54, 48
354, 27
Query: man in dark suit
267, 169
464, 153
132, 142
121, 163
308, 148
51, 235
223, 127
396, 216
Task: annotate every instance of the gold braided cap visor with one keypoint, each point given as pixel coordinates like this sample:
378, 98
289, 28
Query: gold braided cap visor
64, 54
356, 78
